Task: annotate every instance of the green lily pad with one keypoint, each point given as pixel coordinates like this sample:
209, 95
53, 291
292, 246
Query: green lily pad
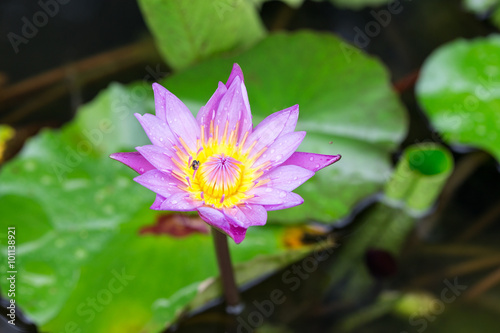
347, 106
459, 90
187, 32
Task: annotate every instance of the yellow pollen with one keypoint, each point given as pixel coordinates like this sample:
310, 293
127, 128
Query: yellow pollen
223, 175
220, 175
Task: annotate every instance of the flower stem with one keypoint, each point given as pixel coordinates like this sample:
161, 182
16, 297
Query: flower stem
231, 293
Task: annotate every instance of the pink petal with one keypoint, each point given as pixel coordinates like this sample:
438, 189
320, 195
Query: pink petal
160, 183
291, 200
246, 216
218, 220
158, 201
177, 115
267, 196
157, 130
235, 72
160, 94
281, 149
291, 122
159, 157
246, 115
181, 202
207, 112
287, 177
311, 161
276, 124
133, 160
256, 214
233, 111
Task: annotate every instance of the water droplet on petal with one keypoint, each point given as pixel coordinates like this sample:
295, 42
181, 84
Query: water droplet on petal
311, 158
294, 178
282, 194
161, 139
141, 169
269, 189
272, 151
317, 165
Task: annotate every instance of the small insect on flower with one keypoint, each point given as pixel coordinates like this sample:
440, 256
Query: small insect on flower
195, 165
240, 172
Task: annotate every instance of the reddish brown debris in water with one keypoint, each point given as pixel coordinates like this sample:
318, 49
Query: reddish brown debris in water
176, 225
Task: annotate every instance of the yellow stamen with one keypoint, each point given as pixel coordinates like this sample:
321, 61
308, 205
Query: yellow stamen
224, 172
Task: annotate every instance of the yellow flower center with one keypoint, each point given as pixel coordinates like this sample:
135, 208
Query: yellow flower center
220, 175
220, 172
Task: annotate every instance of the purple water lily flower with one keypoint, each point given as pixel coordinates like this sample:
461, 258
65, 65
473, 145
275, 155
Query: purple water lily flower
218, 164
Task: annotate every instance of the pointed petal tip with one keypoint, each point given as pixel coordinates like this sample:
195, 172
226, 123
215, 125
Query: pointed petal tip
329, 160
335, 158
218, 220
158, 89
157, 203
133, 160
156, 85
311, 161
235, 72
238, 238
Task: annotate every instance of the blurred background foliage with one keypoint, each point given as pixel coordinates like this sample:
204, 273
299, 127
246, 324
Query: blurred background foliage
400, 235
